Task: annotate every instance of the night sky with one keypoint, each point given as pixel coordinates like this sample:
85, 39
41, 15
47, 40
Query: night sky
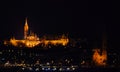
84, 19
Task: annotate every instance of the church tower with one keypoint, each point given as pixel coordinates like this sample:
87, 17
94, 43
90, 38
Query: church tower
26, 29
100, 54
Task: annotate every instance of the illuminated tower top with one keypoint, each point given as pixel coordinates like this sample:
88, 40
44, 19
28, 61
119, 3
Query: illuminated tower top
26, 24
26, 29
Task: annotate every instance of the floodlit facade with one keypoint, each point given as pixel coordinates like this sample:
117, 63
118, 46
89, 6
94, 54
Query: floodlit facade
32, 40
100, 57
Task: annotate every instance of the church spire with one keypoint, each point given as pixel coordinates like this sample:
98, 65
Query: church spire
26, 28
26, 21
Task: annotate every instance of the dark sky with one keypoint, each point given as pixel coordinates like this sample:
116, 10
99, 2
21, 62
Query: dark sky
82, 19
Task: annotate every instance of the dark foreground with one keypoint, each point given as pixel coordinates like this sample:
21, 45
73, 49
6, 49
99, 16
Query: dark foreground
18, 69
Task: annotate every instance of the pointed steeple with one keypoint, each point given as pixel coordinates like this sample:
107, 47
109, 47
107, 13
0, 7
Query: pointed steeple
26, 21
26, 28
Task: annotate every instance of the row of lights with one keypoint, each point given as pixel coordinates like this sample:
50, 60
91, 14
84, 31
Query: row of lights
49, 69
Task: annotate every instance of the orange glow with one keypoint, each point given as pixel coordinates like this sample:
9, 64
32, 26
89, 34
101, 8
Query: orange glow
31, 43
32, 40
100, 59
26, 29
55, 42
13, 41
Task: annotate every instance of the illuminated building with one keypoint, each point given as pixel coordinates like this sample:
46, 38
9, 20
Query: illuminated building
100, 55
32, 40
63, 41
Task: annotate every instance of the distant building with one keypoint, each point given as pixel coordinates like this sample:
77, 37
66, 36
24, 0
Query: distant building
32, 40
100, 55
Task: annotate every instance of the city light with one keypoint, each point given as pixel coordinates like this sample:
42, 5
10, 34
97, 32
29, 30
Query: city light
100, 59
31, 40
